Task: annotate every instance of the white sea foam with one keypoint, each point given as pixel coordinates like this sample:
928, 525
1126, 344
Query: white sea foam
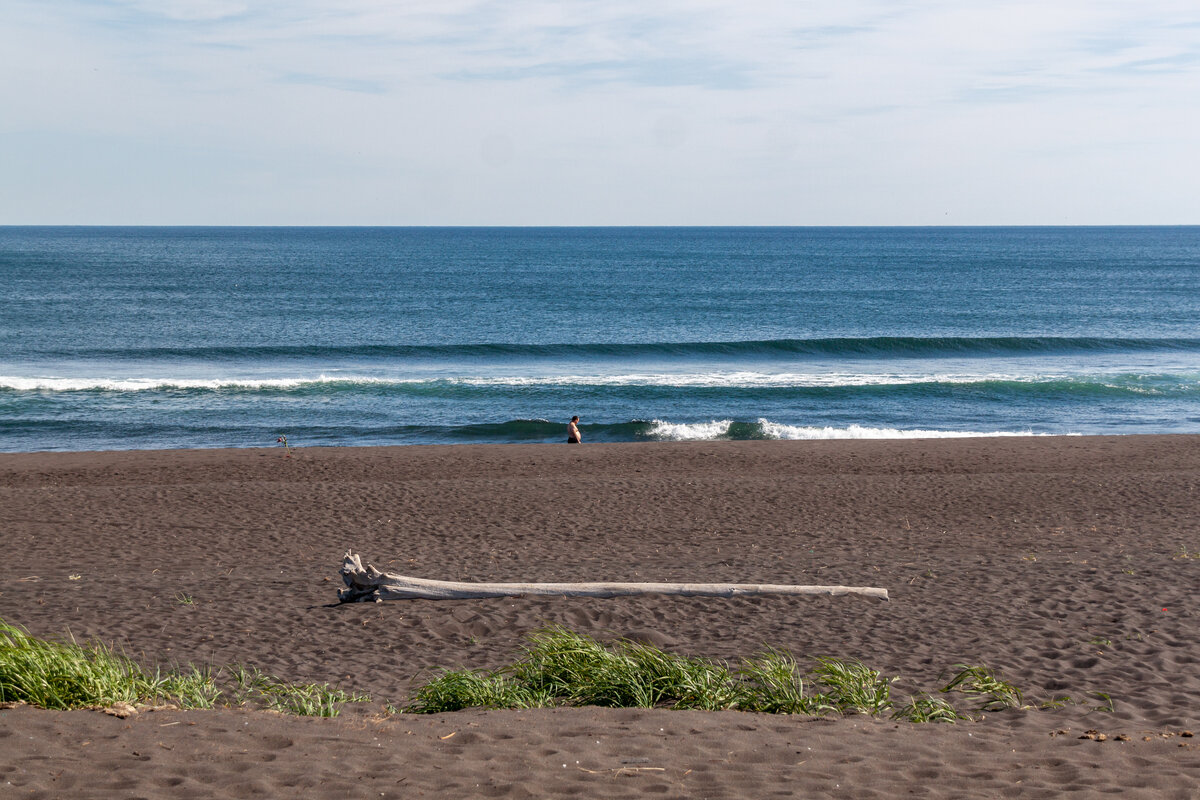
741, 379
678, 432
775, 430
49, 384
717, 429
727, 380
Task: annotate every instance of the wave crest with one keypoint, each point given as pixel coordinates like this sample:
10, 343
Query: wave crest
661, 430
1099, 384
841, 347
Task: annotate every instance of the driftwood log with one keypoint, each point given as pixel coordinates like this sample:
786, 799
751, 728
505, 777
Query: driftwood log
367, 583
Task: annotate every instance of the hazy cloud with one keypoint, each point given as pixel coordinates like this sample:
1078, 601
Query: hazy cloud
531, 111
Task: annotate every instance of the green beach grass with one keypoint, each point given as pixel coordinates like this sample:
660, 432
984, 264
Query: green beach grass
559, 668
70, 675
564, 668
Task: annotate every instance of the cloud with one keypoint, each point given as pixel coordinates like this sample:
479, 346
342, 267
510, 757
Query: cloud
654, 72
776, 110
179, 10
930, 50
1174, 63
333, 82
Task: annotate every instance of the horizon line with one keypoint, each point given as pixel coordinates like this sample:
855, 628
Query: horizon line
460, 226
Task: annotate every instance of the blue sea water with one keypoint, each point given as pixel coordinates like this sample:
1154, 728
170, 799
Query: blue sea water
121, 338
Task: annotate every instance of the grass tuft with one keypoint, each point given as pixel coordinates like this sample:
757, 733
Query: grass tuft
304, 699
70, 675
61, 676
1058, 701
564, 668
925, 708
981, 682
561, 667
774, 684
196, 688
852, 687
574, 669
1108, 705
456, 690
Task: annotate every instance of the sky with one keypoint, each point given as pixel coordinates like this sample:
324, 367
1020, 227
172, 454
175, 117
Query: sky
529, 112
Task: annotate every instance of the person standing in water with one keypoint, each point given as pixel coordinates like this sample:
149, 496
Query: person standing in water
573, 436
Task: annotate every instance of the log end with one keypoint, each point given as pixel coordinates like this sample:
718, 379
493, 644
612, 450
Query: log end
359, 585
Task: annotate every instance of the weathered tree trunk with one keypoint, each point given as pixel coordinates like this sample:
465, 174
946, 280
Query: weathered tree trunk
368, 583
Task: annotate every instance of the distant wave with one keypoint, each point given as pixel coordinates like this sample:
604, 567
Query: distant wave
68, 433
863, 347
765, 429
531, 430
798, 383
50, 384
541, 430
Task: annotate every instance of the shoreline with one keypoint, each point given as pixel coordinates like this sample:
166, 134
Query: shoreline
716, 441
1063, 563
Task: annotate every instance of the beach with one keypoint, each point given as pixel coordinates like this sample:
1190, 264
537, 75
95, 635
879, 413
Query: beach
1069, 565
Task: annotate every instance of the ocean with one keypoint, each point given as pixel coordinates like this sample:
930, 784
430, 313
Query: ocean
135, 338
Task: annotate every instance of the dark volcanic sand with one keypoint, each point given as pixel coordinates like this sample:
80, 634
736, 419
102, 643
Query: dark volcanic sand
1058, 562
